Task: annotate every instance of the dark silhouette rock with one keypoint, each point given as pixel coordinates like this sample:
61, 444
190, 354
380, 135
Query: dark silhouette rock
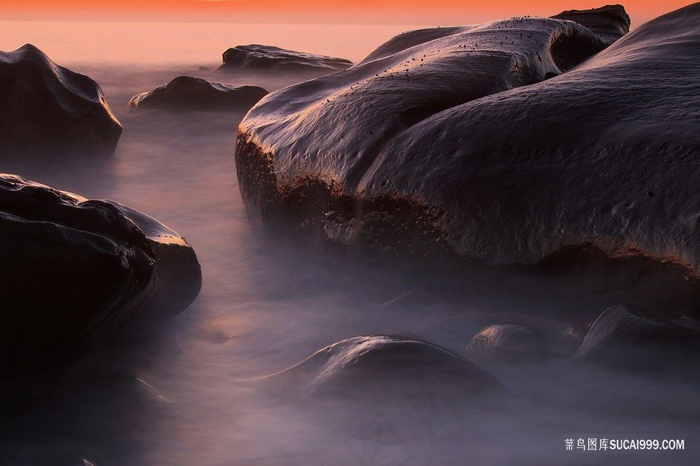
76, 269
625, 338
511, 343
104, 417
504, 143
388, 368
268, 57
610, 22
51, 110
188, 93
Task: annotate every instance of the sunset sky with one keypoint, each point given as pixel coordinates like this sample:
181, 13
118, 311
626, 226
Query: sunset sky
330, 11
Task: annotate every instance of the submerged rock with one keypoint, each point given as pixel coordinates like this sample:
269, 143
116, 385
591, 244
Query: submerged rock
188, 93
509, 343
268, 57
75, 269
48, 109
106, 417
460, 146
625, 338
387, 368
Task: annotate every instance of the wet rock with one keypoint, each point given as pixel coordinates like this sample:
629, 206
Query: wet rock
268, 57
626, 338
504, 143
388, 369
76, 269
177, 278
107, 418
510, 343
188, 93
610, 22
48, 109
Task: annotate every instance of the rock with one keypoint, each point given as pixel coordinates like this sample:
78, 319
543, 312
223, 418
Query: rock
268, 57
510, 343
178, 276
76, 269
188, 93
104, 417
625, 338
610, 22
461, 147
51, 110
388, 369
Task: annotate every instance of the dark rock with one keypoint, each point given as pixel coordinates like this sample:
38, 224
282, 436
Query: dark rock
51, 110
76, 269
188, 93
268, 57
387, 368
460, 147
104, 417
625, 338
610, 22
511, 343
177, 277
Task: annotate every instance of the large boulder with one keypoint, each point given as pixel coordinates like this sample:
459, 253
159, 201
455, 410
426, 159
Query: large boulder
75, 269
461, 146
267, 57
610, 22
48, 109
189, 93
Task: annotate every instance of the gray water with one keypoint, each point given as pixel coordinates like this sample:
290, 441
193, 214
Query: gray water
188, 394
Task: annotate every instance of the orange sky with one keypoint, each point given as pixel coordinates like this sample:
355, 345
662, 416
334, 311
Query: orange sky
343, 11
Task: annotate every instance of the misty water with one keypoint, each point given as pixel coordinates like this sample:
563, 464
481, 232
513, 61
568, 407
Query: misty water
191, 391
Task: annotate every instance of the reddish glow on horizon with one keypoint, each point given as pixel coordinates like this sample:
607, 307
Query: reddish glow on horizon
361, 11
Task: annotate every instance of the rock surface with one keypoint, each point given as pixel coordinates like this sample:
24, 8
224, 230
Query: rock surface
189, 93
625, 338
75, 269
460, 146
268, 57
610, 22
390, 368
48, 109
509, 343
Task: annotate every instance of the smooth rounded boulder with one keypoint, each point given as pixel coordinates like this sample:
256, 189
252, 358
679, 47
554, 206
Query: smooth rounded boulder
49, 110
504, 143
75, 269
626, 338
268, 57
189, 93
387, 368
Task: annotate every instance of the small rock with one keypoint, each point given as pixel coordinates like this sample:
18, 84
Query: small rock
189, 93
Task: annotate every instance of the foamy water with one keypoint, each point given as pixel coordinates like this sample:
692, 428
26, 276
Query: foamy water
266, 306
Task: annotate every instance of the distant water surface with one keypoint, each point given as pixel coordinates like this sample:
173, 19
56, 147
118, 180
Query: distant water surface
200, 43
